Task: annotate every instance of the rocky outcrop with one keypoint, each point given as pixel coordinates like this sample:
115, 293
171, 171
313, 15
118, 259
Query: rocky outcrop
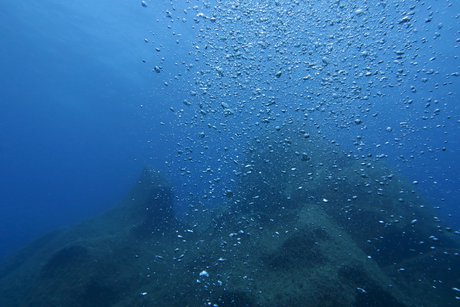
307, 226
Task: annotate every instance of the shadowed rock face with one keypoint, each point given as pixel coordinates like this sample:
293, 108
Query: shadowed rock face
153, 205
300, 249
345, 238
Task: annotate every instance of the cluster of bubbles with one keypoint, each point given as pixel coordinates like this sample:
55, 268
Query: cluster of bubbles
376, 78
371, 76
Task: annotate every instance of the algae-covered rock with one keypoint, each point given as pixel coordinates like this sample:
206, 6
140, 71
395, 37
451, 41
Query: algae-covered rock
90, 265
308, 225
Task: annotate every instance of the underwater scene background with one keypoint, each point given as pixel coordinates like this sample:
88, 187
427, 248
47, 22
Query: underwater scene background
229, 153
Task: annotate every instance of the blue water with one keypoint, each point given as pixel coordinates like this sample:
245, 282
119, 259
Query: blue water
83, 111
